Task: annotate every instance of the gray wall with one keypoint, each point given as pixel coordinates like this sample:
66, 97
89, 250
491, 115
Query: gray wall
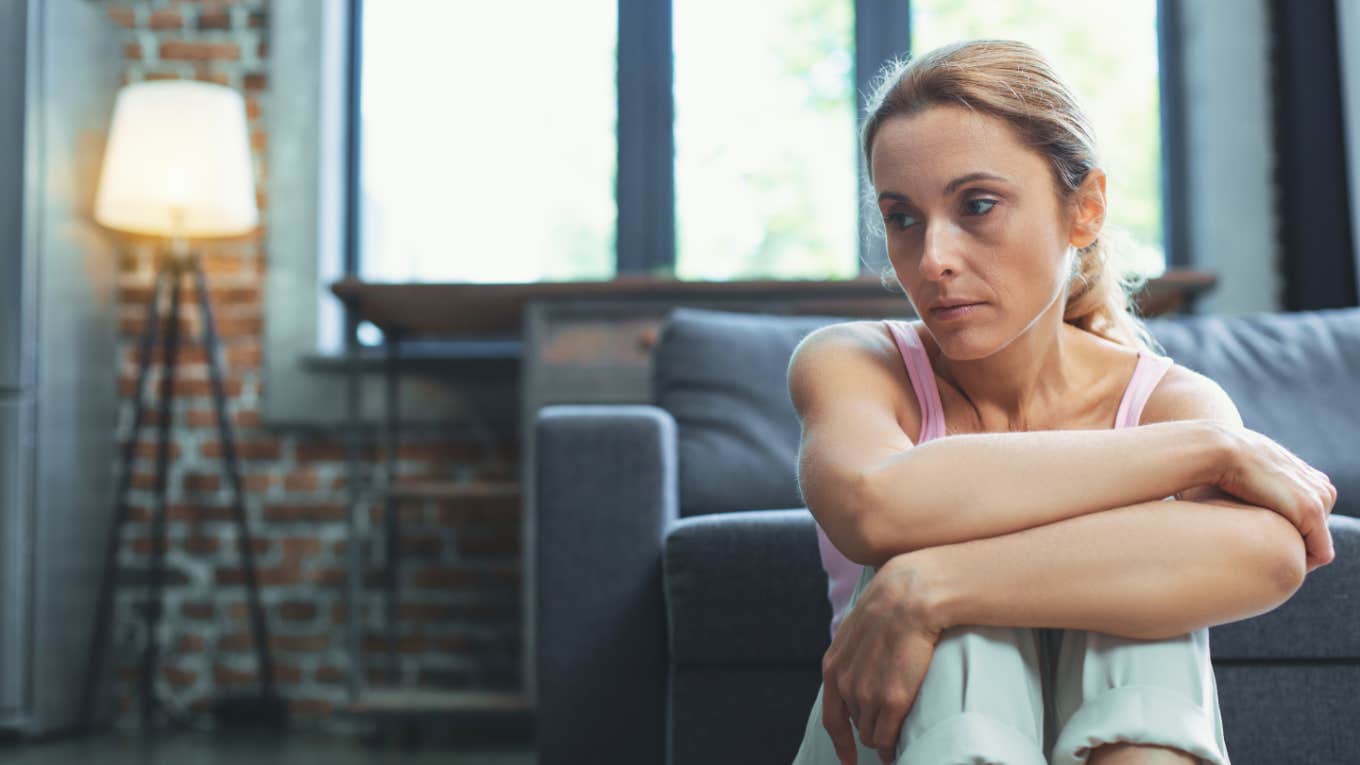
1229, 146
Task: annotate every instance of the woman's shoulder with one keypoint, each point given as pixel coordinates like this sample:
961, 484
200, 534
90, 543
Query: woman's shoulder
867, 351
1184, 394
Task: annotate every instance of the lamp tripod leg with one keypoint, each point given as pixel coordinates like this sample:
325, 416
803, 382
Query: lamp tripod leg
224, 429
158, 535
108, 586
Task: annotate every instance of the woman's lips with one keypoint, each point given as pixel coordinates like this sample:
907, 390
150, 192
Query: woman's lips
956, 312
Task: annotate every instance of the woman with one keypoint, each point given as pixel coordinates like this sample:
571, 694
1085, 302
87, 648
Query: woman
1019, 592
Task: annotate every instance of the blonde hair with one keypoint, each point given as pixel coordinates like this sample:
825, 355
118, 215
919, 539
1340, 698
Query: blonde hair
1011, 80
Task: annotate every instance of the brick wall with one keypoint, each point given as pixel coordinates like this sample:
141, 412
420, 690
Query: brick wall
460, 620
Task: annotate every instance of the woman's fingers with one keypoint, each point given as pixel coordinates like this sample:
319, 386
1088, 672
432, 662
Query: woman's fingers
886, 729
836, 720
867, 723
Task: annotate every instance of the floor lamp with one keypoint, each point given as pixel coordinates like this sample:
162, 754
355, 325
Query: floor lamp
177, 165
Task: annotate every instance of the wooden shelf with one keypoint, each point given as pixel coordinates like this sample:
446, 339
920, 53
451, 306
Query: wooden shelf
452, 310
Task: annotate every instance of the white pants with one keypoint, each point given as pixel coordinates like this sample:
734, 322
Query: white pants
1027, 696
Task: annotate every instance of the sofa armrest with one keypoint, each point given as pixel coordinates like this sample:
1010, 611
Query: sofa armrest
606, 492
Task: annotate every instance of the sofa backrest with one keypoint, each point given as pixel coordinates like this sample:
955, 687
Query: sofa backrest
723, 376
1294, 377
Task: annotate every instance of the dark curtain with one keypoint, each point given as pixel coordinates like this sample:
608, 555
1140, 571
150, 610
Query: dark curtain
1317, 261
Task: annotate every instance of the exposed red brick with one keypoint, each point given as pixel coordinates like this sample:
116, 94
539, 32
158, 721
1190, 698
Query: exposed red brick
205, 73
166, 18
202, 543
186, 50
267, 577
195, 513
211, 16
305, 479
239, 326
328, 511
201, 482
223, 264
330, 576
148, 449
179, 677
143, 545
255, 449
132, 51
297, 548
255, 81
197, 609
310, 707
123, 16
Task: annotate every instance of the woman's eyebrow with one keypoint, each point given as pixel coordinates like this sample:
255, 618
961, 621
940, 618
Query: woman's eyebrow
949, 187
978, 176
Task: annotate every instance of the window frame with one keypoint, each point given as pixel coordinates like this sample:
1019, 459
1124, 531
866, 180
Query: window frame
645, 232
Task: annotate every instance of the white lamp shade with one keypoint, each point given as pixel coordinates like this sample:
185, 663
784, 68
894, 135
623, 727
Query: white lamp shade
178, 146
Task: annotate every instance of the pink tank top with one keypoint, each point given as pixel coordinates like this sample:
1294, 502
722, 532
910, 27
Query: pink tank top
843, 573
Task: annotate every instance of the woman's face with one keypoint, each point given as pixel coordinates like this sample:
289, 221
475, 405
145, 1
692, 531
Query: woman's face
971, 214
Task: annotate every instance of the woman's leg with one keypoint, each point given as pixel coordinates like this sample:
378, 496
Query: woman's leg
981, 701
1112, 691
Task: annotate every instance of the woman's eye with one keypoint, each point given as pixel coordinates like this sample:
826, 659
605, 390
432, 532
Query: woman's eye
989, 202
898, 220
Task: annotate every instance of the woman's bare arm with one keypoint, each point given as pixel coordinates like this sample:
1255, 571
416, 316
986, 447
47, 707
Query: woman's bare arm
979, 485
974, 486
1152, 570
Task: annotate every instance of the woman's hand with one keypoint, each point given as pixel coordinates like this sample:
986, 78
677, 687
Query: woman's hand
1261, 472
877, 661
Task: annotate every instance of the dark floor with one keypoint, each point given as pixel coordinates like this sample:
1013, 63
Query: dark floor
130, 748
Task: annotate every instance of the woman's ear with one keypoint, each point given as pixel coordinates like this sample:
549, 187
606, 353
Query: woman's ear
1089, 212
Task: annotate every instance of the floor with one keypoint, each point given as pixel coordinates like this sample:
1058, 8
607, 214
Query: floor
187, 748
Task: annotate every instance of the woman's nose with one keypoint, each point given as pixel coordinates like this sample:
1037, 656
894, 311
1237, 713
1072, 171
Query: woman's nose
939, 254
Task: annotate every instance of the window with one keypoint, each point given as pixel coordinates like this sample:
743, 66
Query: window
698, 138
765, 151
487, 143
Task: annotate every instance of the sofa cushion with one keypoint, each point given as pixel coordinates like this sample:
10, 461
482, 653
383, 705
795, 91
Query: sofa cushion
745, 588
1295, 377
723, 375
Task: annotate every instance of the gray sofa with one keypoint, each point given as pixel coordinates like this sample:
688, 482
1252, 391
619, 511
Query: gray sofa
681, 605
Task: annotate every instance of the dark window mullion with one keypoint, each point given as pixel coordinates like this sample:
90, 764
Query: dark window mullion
1174, 170
882, 31
645, 185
